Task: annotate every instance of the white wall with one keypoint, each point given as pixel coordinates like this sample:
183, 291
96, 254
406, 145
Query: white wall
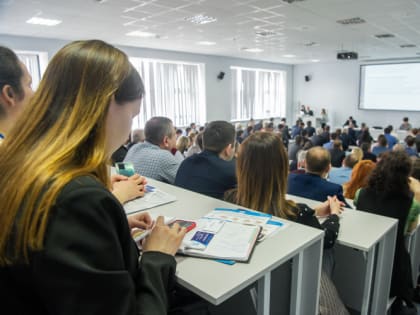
218, 93
336, 87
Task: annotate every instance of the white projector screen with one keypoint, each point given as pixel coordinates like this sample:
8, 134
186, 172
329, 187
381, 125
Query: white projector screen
390, 87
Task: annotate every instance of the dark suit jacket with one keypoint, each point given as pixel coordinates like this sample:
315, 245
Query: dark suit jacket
206, 173
89, 264
313, 187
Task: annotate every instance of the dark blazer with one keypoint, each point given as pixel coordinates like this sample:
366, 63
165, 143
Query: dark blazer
206, 173
313, 187
89, 264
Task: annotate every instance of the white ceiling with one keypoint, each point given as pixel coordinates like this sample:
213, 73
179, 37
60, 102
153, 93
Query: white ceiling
294, 26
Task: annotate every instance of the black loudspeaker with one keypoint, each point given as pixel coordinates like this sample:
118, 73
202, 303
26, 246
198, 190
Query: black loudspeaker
221, 75
307, 78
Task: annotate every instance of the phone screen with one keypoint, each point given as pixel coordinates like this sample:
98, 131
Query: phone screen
189, 225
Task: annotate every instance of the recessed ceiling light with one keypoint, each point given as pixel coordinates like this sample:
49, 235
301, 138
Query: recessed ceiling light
252, 50
265, 33
42, 21
289, 56
200, 19
315, 60
206, 43
142, 34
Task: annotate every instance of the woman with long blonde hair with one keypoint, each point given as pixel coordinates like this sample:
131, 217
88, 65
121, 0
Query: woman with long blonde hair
65, 242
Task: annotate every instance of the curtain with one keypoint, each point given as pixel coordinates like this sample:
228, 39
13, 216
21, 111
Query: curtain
31, 61
173, 89
258, 93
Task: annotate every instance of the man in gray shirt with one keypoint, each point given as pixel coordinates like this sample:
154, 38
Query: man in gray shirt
153, 158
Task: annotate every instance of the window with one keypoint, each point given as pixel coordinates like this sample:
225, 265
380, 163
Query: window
173, 89
258, 93
36, 63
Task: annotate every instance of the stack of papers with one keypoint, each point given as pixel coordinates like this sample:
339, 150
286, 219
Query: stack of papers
152, 198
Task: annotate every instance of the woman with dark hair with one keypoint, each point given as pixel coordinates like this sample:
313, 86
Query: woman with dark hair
65, 241
381, 146
15, 89
391, 192
264, 189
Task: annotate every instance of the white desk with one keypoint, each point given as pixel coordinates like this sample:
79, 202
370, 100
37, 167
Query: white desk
216, 282
363, 277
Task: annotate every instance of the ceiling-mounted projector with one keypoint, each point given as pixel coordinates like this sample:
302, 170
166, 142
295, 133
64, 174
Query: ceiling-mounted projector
347, 55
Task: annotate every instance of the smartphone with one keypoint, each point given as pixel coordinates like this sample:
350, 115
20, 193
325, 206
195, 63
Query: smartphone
189, 225
126, 169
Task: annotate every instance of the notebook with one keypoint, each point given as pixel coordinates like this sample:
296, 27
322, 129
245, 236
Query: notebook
152, 198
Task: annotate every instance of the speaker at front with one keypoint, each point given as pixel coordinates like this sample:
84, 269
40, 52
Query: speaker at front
221, 75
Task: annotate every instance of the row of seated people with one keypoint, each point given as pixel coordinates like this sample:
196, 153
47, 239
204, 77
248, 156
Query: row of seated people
212, 172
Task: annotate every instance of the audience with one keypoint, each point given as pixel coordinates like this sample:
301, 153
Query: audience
381, 146
197, 146
390, 192
137, 136
264, 189
389, 137
367, 154
182, 144
312, 184
153, 158
309, 129
301, 163
317, 139
329, 145
410, 147
212, 171
341, 175
405, 124
65, 238
294, 148
15, 89
337, 154
359, 178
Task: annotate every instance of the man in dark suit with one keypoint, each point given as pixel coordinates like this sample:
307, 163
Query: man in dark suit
212, 171
312, 184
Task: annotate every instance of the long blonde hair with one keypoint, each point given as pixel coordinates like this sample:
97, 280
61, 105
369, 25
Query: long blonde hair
59, 136
262, 168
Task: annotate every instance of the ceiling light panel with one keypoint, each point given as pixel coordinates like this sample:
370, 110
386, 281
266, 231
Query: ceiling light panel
200, 19
42, 21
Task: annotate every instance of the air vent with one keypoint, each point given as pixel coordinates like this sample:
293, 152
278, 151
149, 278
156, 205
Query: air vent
384, 35
200, 19
408, 46
351, 21
265, 33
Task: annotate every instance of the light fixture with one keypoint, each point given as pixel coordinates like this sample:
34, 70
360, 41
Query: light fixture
289, 56
315, 60
142, 34
206, 43
200, 19
252, 50
41, 21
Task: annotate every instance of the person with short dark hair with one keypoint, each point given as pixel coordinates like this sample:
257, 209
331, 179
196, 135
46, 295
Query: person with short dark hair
330, 143
410, 147
405, 125
389, 137
381, 146
15, 89
309, 129
367, 154
212, 171
337, 154
153, 158
341, 175
312, 184
350, 121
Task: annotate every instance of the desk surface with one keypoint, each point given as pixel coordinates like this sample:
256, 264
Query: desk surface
214, 281
358, 229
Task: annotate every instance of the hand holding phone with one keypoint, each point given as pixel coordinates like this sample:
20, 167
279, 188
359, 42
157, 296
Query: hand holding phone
188, 225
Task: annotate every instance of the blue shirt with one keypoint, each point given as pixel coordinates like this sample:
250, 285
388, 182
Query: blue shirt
391, 140
206, 173
378, 150
340, 175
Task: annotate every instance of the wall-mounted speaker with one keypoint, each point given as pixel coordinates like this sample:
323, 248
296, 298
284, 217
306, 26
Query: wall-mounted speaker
307, 78
221, 75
